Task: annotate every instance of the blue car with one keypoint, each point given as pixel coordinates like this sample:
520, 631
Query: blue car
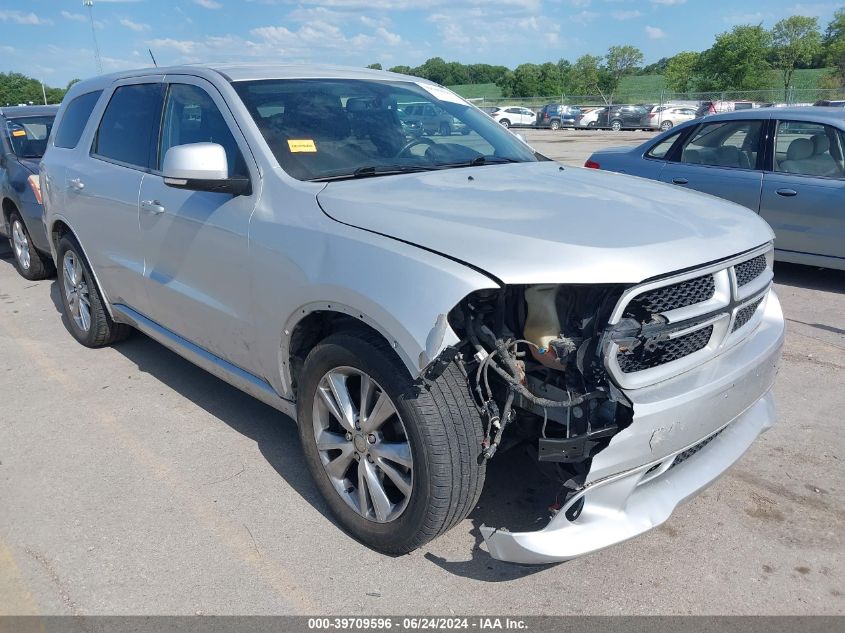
786, 164
24, 131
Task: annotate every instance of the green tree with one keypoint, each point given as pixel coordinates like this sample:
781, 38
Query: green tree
402, 70
680, 71
585, 74
795, 42
375, 66
17, 88
737, 60
619, 61
834, 50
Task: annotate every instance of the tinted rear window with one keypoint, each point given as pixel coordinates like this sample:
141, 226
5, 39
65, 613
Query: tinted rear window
74, 119
129, 127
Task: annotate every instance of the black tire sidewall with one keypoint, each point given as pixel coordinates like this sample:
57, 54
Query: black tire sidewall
37, 269
345, 350
66, 244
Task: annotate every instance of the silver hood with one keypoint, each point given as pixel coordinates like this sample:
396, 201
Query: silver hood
538, 223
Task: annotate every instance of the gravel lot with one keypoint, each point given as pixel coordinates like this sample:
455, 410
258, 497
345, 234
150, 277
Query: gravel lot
132, 482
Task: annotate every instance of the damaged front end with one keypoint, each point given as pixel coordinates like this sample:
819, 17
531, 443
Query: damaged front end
610, 387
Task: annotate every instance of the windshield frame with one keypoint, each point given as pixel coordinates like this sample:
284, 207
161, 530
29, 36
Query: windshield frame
471, 128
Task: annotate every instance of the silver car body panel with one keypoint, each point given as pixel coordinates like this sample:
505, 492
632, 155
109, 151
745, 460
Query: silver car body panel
398, 253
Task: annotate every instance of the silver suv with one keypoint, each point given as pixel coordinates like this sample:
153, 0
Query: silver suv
418, 304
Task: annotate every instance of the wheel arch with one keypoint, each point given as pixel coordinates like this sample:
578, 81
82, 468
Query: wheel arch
59, 227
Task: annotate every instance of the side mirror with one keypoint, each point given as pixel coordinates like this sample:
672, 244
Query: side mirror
201, 167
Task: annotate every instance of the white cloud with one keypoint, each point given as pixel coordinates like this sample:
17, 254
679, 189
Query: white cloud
815, 10
626, 15
74, 17
208, 4
19, 17
581, 3
186, 47
135, 26
654, 33
584, 17
391, 38
668, 2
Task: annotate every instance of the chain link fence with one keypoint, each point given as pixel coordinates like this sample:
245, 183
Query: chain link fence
780, 97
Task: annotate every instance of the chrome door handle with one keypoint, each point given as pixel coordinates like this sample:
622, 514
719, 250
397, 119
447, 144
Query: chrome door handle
152, 205
786, 193
680, 181
77, 184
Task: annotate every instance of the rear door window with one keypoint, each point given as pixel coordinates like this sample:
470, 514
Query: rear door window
810, 149
128, 131
74, 119
733, 144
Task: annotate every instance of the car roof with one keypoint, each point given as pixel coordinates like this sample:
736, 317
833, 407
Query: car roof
13, 112
806, 113
247, 71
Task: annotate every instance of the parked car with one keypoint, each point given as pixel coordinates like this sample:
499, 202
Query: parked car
23, 139
589, 118
417, 304
515, 116
667, 117
716, 107
432, 119
827, 103
555, 116
622, 117
784, 163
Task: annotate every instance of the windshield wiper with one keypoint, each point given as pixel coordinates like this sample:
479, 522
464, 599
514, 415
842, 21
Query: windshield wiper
369, 171
482, 160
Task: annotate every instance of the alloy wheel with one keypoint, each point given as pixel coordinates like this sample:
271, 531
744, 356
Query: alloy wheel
76, 291
20, 244
362, 444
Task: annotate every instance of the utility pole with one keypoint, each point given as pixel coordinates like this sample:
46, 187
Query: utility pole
90, 5
44, 93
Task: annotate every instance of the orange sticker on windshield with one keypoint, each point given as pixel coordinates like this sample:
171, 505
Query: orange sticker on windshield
19, 133
305, 145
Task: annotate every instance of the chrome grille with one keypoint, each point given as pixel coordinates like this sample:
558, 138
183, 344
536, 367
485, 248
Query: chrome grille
662, 328
750, 270
665, 351
672, 297
744, 315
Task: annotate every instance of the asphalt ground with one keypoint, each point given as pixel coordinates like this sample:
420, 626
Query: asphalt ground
132, 482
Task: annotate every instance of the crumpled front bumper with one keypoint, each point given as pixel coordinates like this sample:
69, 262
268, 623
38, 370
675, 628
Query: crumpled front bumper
685, 433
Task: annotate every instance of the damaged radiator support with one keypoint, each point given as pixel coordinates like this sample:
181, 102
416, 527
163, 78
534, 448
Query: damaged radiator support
547, 381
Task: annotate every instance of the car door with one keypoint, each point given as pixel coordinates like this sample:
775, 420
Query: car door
196, 242
528, 116
804, 189
721, 158
102, 182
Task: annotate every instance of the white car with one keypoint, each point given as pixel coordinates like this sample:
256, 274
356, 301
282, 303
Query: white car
590, 119
666, 117
515, 116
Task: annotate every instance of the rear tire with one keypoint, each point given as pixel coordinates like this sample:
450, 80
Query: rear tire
505, 123
666, 125
82, 304
436, 424
30, 263
616, 125
555, 125
445, 129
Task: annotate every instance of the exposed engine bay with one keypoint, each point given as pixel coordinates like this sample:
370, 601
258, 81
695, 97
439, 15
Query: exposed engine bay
532, 356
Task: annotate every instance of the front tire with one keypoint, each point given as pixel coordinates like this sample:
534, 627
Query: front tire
616, 125
396, 460
82, 303
30, 263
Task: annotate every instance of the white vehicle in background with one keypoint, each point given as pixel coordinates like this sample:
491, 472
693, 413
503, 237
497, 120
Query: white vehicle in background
515, 116
666, 117
590, 118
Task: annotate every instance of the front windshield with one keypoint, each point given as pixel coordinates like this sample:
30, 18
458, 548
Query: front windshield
29, 135
323, 129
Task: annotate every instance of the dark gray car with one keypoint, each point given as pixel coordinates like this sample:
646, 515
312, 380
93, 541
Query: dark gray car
24, 131
787, 164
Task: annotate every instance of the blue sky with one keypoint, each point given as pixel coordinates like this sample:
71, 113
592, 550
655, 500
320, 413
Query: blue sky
51, 39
